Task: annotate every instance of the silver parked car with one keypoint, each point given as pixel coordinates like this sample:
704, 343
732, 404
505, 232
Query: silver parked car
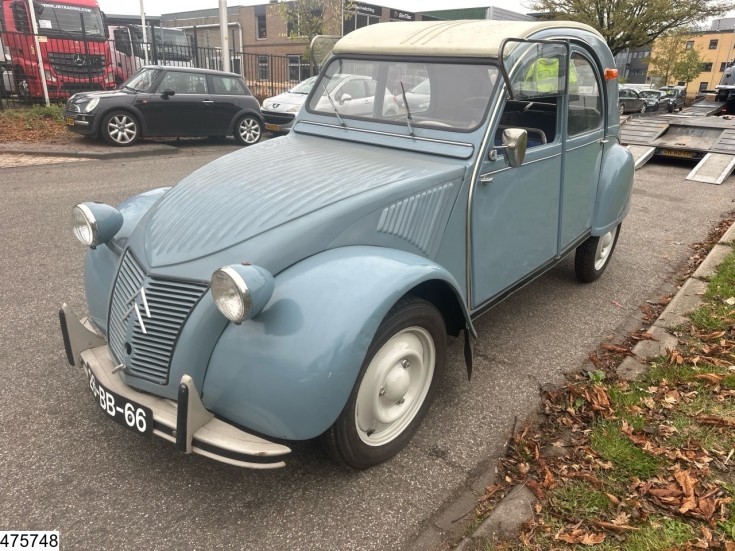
279, 111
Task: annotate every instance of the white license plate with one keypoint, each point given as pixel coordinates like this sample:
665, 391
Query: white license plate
126, 412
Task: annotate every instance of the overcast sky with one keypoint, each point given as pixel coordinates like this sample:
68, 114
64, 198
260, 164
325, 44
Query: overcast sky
158, 7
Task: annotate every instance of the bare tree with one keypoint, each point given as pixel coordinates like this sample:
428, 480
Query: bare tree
633, 23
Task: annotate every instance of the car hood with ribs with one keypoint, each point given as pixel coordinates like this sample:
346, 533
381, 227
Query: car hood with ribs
294, 196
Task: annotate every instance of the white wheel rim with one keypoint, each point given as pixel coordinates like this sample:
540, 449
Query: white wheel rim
249, 130
604, 247
395, 386
121, 128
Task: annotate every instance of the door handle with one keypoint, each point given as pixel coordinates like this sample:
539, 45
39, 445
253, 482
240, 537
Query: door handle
485, 179
208, 102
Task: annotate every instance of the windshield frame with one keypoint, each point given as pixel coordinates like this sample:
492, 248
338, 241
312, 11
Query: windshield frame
380, 82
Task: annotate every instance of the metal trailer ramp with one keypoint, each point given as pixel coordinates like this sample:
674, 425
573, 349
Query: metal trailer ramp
714, 168
703, 108
641, 154
708, 140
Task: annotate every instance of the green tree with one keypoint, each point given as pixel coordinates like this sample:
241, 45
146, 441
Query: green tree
633, 23
668, 50
688, 67
306, 19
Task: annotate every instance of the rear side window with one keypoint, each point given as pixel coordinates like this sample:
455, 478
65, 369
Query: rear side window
229, 86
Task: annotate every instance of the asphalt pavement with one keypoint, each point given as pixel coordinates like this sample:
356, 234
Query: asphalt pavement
66, 467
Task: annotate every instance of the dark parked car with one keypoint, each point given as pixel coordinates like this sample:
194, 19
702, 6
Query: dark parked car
168, 101
629, 101
676, 96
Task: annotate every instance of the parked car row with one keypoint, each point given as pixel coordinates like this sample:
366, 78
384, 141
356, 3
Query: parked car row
184, 101
668, 98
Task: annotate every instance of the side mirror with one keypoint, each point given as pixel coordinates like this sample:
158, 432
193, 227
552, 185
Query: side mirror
515, 143
344, 98
168, 92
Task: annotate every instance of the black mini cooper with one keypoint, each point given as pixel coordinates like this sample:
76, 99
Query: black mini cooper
168, 101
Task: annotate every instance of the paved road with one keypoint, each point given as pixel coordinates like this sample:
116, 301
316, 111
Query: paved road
65, 466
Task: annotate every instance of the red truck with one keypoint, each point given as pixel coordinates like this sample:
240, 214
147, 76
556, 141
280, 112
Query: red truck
72, 38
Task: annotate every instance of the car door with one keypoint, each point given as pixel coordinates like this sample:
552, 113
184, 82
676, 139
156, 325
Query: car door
514, 211
354, 97
186, 113
228, 96
583, 148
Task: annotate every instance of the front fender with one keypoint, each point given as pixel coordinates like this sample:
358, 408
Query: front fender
288, 372
614, 189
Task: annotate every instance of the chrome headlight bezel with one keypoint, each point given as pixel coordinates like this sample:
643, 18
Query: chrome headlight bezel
84, 225
241, 291
95, 223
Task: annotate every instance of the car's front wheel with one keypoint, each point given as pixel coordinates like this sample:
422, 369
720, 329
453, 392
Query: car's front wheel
593, 256
120, 128
394, 390
248, 130
643, 108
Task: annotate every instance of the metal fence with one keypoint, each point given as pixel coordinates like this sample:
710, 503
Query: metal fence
72, 66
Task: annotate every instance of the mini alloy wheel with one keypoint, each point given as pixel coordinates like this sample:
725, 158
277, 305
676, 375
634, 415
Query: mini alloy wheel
248, 130
119, 128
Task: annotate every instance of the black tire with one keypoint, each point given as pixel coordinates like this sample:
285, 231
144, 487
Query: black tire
402, 386
248, 130
593, 256
621, 109
120, 128
643, 108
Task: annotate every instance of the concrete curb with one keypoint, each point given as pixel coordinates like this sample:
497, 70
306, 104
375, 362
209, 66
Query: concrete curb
516, 508
143, 150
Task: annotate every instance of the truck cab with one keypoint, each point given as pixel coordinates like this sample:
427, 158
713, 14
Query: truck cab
306, 286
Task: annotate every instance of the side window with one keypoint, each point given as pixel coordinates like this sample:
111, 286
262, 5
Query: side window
20, 16
183, 83
229, 86
585, 97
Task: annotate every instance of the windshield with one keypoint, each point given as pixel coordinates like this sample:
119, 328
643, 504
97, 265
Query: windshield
453, 97
651, 94
304, 87
61, 19
142, 80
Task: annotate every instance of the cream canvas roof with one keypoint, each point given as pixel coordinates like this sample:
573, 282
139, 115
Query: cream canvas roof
476, 38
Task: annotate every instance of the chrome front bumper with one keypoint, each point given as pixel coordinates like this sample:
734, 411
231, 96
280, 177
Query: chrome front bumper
185, 423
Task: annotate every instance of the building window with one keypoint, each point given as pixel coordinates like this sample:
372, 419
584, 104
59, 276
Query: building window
713, 44
260, 22
703, 86
689, 44
262, 67
706, 67
723, 66
298, 68
358, 21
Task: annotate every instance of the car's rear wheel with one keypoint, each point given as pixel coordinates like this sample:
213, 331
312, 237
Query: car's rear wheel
395, 387
643, 108
621, 109
248, 130
120, 128
593, 256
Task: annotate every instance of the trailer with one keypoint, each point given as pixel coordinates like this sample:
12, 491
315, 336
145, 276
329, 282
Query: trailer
709, 140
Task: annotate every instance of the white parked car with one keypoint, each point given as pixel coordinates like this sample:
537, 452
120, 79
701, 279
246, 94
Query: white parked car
279, 111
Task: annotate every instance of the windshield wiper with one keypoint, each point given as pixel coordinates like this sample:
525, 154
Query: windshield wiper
334, 106
409, 118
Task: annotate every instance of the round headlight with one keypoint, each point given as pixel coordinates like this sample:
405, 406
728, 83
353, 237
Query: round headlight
95, 223
91, 105
241, 291
84, 225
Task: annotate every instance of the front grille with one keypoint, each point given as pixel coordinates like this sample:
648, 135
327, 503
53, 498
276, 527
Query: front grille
271, 117
77, 64
148, 355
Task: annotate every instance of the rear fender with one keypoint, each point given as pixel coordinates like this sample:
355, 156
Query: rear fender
614, 189
288, 372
